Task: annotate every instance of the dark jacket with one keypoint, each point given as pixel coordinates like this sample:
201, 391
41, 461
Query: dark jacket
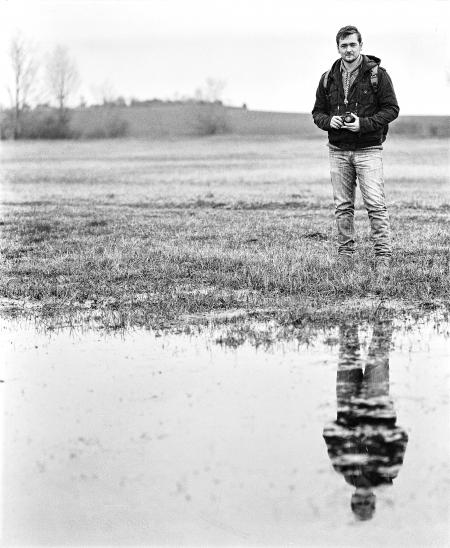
367, 454
375, 110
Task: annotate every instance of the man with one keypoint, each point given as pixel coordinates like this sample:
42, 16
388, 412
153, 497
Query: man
353, 85
364, 443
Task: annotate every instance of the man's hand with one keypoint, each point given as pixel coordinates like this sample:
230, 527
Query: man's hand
352, 126
336, 122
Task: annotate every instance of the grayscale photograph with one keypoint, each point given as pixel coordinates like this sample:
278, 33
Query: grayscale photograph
224, 288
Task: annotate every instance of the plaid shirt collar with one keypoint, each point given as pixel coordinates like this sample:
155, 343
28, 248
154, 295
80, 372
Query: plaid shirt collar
353, 70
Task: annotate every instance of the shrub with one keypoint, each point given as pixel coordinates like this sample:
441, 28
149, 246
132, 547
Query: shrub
39, 123
107, 124
212, 119
51, 123
48, 124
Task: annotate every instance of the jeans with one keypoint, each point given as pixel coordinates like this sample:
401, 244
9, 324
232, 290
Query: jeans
366, 165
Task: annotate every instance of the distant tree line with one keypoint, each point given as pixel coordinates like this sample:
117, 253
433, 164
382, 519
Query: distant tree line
50, 85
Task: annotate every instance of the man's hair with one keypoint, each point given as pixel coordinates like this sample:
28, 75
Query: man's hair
346, 31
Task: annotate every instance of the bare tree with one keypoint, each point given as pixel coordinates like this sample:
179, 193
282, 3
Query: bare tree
62, 77
24, 71
211, 91
107, 93
214, 89
212, 116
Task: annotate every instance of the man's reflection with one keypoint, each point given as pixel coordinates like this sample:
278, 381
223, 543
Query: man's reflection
364, 443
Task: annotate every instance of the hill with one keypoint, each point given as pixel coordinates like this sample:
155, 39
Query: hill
174, 120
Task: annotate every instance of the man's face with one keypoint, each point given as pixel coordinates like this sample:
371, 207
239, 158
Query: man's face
349, 48
363, 505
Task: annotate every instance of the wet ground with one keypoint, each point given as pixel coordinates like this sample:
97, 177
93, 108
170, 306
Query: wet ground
134, 438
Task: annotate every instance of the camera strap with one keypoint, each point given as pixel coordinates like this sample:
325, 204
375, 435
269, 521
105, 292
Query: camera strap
346, 86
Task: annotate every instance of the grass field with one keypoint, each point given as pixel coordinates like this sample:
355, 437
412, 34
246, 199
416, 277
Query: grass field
174, 232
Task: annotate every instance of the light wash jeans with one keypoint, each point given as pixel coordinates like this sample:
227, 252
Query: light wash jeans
366, 165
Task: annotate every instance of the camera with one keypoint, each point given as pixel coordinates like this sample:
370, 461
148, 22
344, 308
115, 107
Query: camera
348, 118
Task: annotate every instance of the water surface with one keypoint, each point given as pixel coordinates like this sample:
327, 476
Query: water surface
136, 438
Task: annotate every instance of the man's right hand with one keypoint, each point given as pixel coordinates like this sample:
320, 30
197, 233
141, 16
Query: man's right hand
336, 122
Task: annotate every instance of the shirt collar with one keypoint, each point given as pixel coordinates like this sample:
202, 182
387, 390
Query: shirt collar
353, 70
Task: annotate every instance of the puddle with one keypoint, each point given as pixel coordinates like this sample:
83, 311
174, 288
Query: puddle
142, 439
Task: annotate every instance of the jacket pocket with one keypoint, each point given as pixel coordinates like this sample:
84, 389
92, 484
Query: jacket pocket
366, 95
333, 101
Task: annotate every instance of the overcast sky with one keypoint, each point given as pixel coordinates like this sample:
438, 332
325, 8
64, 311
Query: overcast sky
271, 53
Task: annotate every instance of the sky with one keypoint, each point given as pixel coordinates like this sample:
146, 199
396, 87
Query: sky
269, 53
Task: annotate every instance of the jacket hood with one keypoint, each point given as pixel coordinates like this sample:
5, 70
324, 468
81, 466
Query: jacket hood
368, 62
371, 60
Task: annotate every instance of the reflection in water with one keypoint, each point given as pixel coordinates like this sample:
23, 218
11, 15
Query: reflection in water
364, 443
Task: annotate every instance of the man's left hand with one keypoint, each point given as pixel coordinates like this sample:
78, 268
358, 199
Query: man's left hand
352, 126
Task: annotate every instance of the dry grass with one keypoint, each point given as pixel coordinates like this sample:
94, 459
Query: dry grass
155, 232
